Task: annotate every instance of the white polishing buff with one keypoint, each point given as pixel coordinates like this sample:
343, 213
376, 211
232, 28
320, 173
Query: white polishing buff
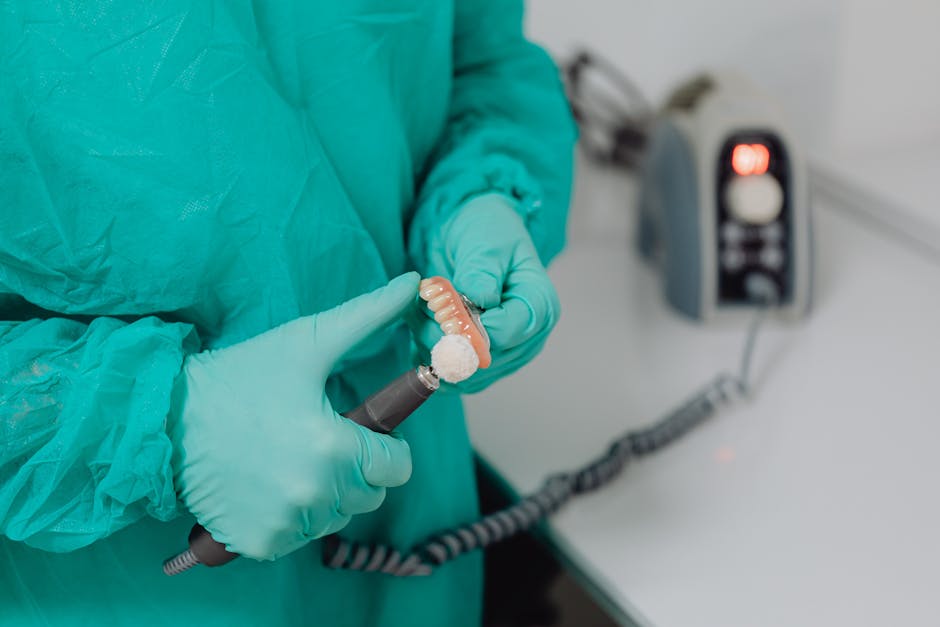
454, 359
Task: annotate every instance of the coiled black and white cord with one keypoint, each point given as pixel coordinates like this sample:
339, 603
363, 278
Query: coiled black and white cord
557, 489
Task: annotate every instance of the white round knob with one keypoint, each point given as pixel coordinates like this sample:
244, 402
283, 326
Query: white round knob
754, 199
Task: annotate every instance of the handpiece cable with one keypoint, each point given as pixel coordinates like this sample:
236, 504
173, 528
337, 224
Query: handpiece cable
558, 489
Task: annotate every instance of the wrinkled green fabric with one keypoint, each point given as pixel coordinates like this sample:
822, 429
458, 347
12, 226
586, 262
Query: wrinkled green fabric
485, 250
262, 492
181, 176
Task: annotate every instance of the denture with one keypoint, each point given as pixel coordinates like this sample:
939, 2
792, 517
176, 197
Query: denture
456, 315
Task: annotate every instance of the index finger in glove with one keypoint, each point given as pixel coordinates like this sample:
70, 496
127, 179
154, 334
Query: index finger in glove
529, 308
479, 275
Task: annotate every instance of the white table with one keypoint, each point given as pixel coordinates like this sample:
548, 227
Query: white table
903, 177
815, 503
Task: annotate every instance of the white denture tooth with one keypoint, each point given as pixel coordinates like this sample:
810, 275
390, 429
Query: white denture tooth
437, 303
431, 290
442, 315
451, 327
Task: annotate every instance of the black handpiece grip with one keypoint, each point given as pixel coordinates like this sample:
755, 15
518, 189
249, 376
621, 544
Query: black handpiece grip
206, 550
381, 412
388, 408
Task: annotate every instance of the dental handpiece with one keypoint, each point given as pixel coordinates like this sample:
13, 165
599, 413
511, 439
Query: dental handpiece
381, 412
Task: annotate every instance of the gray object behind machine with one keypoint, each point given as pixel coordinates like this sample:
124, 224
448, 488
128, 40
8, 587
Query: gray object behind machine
669, 223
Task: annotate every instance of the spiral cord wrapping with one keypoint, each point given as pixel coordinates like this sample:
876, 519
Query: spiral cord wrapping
180, 563
558, 489
521, 516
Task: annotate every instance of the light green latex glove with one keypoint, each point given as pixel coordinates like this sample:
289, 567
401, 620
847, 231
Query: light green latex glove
261, 459
487, 253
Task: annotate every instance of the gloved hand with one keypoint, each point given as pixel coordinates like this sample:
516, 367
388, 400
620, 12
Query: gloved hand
261, 459
487, 253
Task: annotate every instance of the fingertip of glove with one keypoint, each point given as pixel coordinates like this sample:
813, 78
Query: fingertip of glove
386, 459
407, 281
403, 289
401, 467
482, 288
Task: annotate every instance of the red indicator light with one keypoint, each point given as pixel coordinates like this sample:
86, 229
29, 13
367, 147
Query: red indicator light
747, 159
762, 160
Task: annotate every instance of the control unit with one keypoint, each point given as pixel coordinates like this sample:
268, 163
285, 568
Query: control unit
724, 201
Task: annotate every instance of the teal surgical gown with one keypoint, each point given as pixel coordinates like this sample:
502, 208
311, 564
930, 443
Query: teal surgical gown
185, 174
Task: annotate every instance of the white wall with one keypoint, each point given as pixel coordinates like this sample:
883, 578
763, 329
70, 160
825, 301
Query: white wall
853, 74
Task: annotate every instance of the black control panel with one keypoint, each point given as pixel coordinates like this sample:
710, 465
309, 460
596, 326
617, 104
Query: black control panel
749, 245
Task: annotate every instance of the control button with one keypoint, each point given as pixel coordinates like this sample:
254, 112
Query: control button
732, 233
772, 233
754, 199
732, 259
761, 288
772, 257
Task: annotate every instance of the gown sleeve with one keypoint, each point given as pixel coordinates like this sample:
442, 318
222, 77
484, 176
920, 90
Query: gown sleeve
83, 405
509, 129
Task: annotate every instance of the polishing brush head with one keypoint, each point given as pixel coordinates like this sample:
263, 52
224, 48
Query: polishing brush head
453, 358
